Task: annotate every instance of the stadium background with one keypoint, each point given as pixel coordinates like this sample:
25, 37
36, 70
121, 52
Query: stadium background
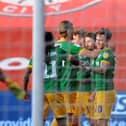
16, 49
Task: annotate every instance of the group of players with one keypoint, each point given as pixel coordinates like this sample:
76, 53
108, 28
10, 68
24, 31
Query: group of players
78, 78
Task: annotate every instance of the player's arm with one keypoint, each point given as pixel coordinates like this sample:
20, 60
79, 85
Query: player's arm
2, 76
104, 65
92, 96
78, 63
92, 54
26, 78
73, 60
102, 69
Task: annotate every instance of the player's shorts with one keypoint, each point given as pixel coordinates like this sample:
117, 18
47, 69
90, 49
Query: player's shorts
54, 122
57, 104
73, 103
87, 107
103, 104
63, 103
46, 106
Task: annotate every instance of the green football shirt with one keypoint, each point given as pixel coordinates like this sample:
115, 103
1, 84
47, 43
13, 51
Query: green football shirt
104, 81
67, 73
81, 75
50, 72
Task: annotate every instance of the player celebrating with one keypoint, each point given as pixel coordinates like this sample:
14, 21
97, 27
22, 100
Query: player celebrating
68, 74
102, 70
84, 76
50, 75
78, 37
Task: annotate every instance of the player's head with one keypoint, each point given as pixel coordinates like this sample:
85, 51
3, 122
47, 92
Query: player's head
78, 36
80, 32
65, 29
48, 37
89, 40
103, 35
49, 41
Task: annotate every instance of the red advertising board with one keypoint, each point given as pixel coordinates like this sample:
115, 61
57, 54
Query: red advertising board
16, 30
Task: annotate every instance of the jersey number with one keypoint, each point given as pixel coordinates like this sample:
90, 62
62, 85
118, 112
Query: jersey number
53, 70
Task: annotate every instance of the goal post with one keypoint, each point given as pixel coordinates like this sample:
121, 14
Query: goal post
38, 64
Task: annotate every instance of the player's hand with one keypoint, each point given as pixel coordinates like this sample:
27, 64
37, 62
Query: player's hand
69, 57
92, 97
27, 97
86, 68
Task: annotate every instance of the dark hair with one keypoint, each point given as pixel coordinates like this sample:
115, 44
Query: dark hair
80, 32
91, 35
48, 36
106, 32
64, 26
49, 44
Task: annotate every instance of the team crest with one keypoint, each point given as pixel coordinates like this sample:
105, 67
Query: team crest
105, 55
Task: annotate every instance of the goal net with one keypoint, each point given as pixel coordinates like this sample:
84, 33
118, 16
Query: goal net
16, 49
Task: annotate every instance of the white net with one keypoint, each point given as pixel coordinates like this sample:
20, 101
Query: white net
16, 48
